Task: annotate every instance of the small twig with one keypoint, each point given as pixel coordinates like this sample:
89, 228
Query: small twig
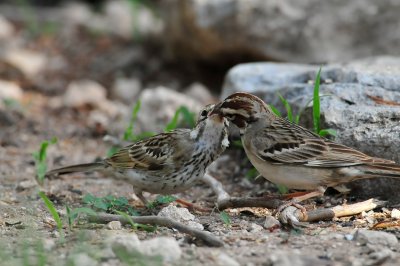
293, 215
207, 237
262, 202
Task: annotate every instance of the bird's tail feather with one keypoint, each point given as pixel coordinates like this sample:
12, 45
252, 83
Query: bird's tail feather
87, 167
384, 170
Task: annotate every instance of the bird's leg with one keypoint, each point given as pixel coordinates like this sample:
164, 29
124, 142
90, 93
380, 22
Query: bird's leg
139, 194
296, 198
308, 195
192, 206
216, 187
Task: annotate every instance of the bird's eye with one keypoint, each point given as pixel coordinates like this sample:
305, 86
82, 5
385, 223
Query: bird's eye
231, 117
203, 113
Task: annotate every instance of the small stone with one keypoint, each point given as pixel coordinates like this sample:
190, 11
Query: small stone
127, 242
10, 90
200, 92
48, 244
81, 259
195, 225
177, 214
255, 228
114, 225
6, 29
26, 185
271, 223
224, 259
166, 247
83, 92
29, 62
395, 214
364, 237
126, 89
160, 105
349, 237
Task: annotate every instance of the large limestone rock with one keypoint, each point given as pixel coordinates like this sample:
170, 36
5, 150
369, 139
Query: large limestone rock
363, 104
286, 30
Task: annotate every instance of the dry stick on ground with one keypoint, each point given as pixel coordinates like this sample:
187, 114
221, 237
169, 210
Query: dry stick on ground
292, 214
207, 237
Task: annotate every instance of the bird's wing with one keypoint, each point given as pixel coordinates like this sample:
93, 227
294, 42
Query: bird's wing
287, 143
153, 154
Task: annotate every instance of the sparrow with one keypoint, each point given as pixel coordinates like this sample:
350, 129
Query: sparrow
166, 163
288, 154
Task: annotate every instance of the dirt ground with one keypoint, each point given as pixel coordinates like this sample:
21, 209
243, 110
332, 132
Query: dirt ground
28, 232
24, 218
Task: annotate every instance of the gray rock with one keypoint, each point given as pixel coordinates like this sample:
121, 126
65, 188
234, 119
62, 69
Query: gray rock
159, 105
166, 247
82, 259
361, 121
395, 214
126, 89
7, 29
180, 215
288, 30
223, 259
114, 225
126, 242
364, 236
287, 257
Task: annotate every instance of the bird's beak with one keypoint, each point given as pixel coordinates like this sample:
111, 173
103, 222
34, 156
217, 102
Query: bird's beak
216, 110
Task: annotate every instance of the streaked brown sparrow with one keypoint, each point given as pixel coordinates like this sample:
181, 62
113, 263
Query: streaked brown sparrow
166, 163
288, 154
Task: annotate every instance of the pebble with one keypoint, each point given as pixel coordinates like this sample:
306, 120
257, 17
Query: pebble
6, 28
255, 228
177, 214
200, 92
29, 62
395, 214
10, 90
271, 222
181, 215
81, 259
83, 92
364, 236
166, 247
26, 185
114, 225
224, 259
126, 89
160, 105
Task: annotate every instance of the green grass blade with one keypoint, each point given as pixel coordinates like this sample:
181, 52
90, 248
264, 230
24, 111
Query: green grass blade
287, 107
316, 103
326, 132
53, 212
225, 218
282, 189
128, 134
275, 110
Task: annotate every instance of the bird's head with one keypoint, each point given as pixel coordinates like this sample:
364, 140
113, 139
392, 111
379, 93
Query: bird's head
242, 109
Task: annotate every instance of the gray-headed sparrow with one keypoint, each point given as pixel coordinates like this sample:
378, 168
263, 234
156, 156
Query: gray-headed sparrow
166, 163
290, 155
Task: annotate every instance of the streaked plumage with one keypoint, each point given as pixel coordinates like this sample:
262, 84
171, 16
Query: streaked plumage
166, 163
290, 155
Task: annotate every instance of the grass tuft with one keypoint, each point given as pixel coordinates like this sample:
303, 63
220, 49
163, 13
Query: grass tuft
40, 159
52, 209
225, 218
